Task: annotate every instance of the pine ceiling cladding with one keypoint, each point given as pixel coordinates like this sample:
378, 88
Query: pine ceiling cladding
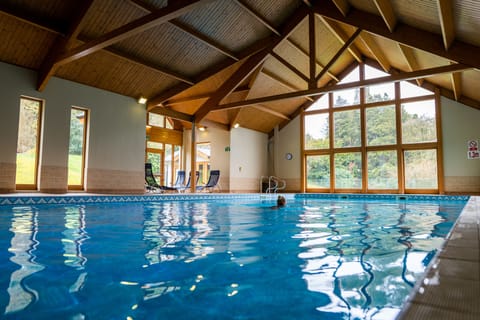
206, 59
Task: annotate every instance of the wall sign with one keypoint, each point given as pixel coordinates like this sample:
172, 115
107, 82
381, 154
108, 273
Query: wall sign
473, 150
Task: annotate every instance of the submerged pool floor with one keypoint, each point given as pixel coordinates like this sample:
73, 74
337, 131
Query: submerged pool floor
222, 259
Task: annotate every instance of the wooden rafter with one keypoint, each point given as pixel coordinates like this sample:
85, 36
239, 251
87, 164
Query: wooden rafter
386, 11
248, 67
257, 16
232, 82
313, 51
62, 44
339, 53
306, 54
351, 85
283, 83
172, 113
147, 7
342, 6
342, 37
173, 10
411, 60
445, 13
456, 78
209, 42
459, 52
270, 111
375, 50
203, 96
289, 66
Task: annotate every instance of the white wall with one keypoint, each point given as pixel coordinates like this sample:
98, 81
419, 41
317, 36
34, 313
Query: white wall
289, 142
460, 124
248, 160
116, 128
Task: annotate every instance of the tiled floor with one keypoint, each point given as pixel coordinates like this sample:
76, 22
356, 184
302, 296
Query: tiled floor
451, 288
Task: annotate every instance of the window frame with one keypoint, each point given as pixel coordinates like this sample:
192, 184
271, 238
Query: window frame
34, 186
398, 146
86, 120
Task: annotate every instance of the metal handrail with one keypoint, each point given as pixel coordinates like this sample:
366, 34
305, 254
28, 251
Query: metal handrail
273, 184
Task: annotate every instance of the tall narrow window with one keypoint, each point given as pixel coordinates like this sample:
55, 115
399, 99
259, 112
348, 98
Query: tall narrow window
28, 143
76, 149
203, 161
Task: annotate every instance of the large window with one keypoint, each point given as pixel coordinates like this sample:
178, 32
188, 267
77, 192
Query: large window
379, 138
29, 128
76, 149
203, 161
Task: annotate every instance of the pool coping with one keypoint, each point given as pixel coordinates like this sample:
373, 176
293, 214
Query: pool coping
34, 199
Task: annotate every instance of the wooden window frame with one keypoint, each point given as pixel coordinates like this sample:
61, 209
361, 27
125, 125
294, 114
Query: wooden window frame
364, 149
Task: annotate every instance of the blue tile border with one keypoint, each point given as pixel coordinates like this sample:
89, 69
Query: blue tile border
14, 200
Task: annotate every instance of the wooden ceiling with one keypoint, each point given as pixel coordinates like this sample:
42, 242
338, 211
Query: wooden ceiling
256, 63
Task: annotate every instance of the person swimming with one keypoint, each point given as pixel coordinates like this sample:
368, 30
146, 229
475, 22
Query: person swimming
281, 202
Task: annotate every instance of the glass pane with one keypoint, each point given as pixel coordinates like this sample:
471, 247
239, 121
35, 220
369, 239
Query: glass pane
421, 169
169, 123
177, 158
346, 97
154, 145
321, 103
316, 131
381, 92
76, 147
156, 120
156, 160
203, 161
348, 170
382, 170
27, 143
408, 90
347, 129
318, 171
418, 122
372, 73
380, 126
168, 165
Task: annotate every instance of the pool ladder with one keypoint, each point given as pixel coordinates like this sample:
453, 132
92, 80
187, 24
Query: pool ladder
271, 184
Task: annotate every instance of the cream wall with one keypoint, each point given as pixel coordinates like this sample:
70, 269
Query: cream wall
219, 159
288, 141
116, 134
460, 124
248, 162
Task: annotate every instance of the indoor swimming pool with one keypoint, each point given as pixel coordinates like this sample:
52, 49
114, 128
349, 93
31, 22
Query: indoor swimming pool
217, 257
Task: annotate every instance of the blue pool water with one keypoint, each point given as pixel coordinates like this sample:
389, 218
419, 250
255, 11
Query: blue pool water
222, 259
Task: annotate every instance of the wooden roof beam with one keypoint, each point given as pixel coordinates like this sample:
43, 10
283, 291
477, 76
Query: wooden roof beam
305, 53
289, 66
339, 53
249, 66
173, 10
370, 43
258, 17
257, 46
343, 6
147, 7
456, 78
445, 13
62, 44
411, 60
459, 52
283, 83
342, 37
312, 56
351, 85
172, 113
270, 111
386, 11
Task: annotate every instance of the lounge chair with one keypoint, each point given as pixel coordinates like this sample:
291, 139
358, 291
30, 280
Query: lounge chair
153, 186
212, 182
188, 185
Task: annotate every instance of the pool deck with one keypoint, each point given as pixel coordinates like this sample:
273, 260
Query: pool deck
451, 286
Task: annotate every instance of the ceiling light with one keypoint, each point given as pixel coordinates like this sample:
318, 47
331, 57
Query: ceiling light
202, 128
142, 100
236, 125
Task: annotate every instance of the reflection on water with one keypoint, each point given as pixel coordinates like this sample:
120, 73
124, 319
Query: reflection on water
183, 260
23, 246
366, 260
